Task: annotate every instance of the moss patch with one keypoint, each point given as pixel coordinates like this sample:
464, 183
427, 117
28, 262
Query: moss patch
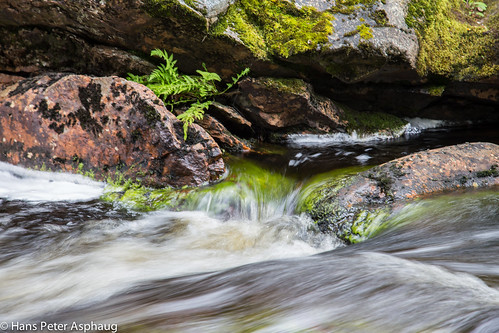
175, 9
273, 27
451, 44
350, 224
365, 31
371, 122
292, 86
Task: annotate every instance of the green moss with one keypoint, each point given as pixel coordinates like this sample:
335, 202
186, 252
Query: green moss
348, 7
449, 45
351, 33
318, 199
365, 31
246, 182
492, 172
436, 90
324, 185
292, 86
272, 27
371, 122
175, 9
379, 16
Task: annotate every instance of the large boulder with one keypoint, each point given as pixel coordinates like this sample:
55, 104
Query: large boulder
348, 205
105, 127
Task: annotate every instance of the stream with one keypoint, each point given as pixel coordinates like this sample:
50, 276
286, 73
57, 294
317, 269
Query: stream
241, 259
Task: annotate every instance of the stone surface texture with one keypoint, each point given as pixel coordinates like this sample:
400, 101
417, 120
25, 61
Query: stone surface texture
339, 205
102, 125
287, 104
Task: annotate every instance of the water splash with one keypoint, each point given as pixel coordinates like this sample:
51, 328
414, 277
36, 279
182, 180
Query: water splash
17, 183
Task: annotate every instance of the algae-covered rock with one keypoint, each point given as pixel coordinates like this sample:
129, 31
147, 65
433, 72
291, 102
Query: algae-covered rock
352, 207
248, 192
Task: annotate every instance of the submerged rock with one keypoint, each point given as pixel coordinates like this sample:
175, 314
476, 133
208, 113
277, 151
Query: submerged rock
348, 205
102, 126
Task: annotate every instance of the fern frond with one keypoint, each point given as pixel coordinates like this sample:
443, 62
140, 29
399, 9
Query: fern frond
209, 76
174, 88
194, 112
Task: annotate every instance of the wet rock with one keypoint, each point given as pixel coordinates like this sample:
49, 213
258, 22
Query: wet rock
372, 43
7, 80
284, 104
347, 206
340, 47
100, 126
222, 136
232, 119
32, 51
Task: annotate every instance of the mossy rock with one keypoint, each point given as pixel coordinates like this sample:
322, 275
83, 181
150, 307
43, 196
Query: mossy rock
452, 42
272, 27
369, 123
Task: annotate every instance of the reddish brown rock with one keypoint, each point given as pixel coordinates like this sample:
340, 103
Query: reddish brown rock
427, 172
232, 119
103, 125
222, 136
336, 206
287, 104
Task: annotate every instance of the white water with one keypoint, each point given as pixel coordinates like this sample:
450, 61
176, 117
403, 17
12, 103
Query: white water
17, 183
104, 257
414, 126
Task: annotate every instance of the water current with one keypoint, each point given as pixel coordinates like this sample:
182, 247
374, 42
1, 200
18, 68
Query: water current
242, 260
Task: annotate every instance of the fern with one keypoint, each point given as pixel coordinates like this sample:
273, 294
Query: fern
194, 112
174, 88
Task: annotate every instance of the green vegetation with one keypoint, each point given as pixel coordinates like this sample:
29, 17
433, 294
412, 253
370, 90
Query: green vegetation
292, 86
365, 31
347, 7
371, 122
318, 199
492, 172
174, 88
436, 90
476, 8
451, 43
246, 184
273, 27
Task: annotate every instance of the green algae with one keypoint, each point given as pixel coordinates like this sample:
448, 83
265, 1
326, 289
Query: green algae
245, 183
317, 200
450, 44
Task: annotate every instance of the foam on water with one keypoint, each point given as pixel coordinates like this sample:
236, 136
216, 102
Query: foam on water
418, 125
414, 126
341, 138
17, 183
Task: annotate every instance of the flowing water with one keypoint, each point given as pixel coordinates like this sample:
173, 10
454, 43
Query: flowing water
241, 260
